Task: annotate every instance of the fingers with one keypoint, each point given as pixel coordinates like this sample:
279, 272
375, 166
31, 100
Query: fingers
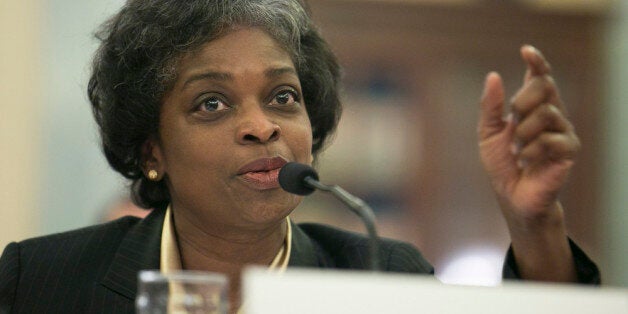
491, 106
537, 65
544, 136
542, 133
545, 118
549, 147
537, 90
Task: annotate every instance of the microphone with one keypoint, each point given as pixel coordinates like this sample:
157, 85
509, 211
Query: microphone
292, 178
302, 179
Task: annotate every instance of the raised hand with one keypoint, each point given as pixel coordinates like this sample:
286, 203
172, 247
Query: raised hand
528, 156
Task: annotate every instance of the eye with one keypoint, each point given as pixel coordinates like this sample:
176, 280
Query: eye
285, 97
212, 103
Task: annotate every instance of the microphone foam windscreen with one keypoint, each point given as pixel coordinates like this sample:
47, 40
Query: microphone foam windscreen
292, 178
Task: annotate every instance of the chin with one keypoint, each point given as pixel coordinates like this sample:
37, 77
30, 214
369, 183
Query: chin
269, 211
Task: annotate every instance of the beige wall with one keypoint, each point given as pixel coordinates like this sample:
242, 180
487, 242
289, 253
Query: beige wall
20, 112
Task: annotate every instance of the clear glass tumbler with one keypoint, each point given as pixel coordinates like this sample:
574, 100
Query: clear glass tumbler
181, 292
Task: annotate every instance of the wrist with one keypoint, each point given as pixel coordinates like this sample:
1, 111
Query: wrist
535, 223
541, 247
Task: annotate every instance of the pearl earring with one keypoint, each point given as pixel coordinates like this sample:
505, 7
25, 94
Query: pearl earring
152, 175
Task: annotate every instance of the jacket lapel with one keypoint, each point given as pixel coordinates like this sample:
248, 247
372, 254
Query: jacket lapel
305, 252
138, 250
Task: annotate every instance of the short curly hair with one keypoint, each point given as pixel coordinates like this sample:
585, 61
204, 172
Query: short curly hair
136, 62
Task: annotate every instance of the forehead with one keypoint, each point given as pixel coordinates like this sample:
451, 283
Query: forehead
237, 50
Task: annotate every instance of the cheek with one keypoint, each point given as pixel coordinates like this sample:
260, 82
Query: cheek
300, 140
191, 149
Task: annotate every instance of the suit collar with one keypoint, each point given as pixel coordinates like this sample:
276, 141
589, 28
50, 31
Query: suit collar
138, 250
305, 252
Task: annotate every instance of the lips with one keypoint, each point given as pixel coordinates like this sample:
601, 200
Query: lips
263, 173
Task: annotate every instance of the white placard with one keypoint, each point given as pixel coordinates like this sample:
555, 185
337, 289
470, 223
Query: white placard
326, 291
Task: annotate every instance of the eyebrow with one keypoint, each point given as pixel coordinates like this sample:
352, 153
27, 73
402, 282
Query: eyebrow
221, 76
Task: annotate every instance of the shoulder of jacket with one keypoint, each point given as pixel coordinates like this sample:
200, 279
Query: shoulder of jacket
110, 229
395, 255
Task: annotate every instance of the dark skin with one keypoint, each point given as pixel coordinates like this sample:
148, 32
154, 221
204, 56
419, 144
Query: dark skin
212, 124
235, 101
528, 157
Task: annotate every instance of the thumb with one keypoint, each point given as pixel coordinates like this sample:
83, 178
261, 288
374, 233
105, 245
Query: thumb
491, 107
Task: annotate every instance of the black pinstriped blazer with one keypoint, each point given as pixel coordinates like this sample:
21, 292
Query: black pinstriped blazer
94, 270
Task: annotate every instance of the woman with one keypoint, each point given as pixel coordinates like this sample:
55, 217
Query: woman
200, 104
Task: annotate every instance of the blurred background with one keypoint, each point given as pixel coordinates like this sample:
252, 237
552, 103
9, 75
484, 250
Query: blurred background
413, 74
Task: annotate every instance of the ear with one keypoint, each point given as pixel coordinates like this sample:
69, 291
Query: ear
152, 159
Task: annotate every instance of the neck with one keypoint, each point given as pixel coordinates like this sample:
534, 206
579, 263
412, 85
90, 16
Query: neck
226, 249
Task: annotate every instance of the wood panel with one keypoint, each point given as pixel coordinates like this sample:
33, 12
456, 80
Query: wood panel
440, 54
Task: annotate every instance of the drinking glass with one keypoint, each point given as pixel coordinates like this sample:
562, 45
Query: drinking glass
181, 292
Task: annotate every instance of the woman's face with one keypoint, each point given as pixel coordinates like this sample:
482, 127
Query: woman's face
234, 116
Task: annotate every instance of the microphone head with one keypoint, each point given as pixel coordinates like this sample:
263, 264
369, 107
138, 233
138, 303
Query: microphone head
292, 178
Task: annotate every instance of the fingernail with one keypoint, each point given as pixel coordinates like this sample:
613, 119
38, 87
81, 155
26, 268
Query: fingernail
512, 110
553, 108
508, 118
522, 163
513, 149
486, 79
515, 117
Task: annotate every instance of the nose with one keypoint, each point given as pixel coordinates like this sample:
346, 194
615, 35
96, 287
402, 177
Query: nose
255, 127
